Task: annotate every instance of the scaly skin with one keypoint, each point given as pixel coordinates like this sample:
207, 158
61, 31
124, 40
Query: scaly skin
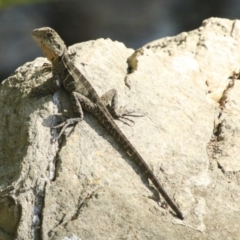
83, 96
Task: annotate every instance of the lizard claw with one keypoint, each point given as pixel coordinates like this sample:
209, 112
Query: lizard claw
122, 111
126, 120
64, 125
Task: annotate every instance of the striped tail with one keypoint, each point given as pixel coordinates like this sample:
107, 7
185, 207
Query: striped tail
105, 118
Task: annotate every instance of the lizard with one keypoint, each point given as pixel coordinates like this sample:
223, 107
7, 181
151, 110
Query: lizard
84, 97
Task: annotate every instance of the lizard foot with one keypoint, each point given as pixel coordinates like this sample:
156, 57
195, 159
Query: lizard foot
122, 114
64, 125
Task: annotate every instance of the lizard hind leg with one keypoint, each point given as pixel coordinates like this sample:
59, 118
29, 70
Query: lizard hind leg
110, 100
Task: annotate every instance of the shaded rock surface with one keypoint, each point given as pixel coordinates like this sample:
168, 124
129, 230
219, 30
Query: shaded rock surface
187, 85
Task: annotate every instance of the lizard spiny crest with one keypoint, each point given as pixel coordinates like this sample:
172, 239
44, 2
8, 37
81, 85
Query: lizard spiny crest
50, 42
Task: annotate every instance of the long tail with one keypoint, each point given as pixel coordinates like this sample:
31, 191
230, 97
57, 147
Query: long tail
105, 118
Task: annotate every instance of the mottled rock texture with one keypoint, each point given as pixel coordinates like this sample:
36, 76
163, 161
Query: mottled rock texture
188, 85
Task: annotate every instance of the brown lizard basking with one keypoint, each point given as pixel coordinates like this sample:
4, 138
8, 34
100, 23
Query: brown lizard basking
84, 97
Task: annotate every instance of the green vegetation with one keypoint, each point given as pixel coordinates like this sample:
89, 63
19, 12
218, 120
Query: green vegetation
5, 3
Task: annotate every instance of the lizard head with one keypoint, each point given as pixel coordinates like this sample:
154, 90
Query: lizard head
50, 42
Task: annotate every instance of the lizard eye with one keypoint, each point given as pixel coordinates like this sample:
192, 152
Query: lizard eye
49, 35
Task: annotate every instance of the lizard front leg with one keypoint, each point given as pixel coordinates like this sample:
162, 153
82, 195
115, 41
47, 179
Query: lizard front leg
79, 102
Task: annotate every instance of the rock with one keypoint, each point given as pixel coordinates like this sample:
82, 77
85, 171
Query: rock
189, 137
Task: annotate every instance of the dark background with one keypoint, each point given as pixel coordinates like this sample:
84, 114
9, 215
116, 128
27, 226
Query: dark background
134, 23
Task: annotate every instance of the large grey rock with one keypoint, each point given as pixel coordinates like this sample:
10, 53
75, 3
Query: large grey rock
184, 85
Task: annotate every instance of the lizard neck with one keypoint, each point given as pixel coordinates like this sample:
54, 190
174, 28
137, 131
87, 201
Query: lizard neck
58, 63
52, 55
